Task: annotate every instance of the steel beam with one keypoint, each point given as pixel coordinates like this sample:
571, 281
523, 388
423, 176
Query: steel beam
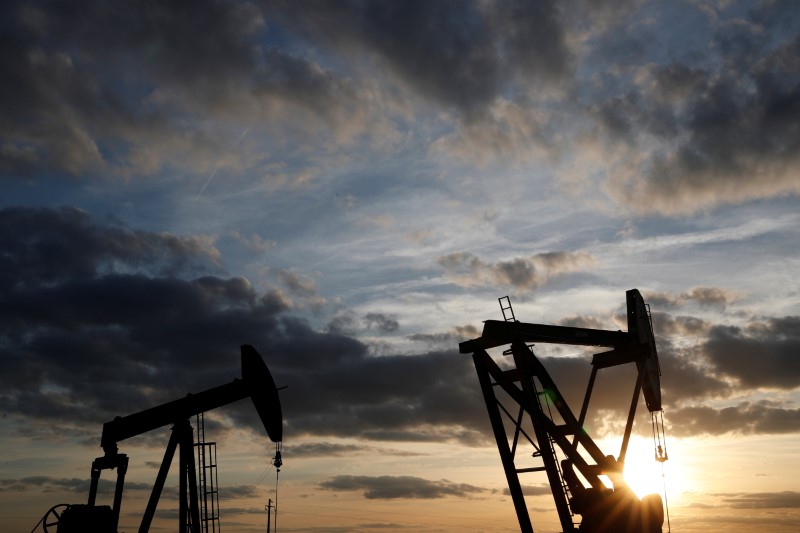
483, 364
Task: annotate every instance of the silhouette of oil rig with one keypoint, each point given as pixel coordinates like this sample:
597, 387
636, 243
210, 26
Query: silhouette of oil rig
198, 504
526, 391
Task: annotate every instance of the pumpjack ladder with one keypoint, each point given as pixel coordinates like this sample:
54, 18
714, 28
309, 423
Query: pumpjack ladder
207, 483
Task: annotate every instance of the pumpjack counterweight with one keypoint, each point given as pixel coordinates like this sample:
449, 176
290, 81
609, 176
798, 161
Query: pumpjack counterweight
583, 501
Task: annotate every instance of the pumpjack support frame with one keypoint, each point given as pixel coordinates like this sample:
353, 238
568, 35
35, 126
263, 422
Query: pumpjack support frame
531, 389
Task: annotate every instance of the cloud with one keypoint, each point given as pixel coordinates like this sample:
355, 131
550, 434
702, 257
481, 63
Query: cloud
255, 242
686, 377
98, 320
682, 380
522, 273
703, 296
693, 385
461, 55
383, 323
516, 133
344, 322
711, 296
532, 490
297, 283
51, 246
391, 397
445, 340
51, 484
744, 418
580, 321
48, 119
333, 449
763, 500
692, 391
763, 354
467, 332
666, 325
392, 487
121, 91
437, 339
130, 90
716, 134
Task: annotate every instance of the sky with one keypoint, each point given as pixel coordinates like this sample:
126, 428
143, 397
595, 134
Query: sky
349, 187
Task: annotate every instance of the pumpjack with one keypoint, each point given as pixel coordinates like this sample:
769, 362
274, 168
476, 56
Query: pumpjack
575, 480
256, 383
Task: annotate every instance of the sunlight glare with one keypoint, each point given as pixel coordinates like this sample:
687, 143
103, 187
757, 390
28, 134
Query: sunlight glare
642, 472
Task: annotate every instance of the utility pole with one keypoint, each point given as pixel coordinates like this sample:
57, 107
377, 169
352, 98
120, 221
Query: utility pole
268, 508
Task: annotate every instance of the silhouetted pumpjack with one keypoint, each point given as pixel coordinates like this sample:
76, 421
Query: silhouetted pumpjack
531, 388
256, 383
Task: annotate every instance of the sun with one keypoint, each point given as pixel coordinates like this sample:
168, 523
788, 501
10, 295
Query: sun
643, 473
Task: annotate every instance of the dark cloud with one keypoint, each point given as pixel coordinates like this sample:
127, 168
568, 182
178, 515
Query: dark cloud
686, 377
682, 381
407, 398
392, 487
467, 332
383, 323
323, 449
439, 339
51, 484
693, 385
166, 34
87, 310
127, 89
522, 273
100, 321
687, 384
718, 134
344, 322
52, 246
667, 325
763, 354
392, 397
762, 500
130, 89
745, 418
702, 363
458, 54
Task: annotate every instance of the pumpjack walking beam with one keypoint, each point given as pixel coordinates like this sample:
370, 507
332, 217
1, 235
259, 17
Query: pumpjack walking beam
529, 381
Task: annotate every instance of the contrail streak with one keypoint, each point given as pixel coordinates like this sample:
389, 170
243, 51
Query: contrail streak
214, 172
